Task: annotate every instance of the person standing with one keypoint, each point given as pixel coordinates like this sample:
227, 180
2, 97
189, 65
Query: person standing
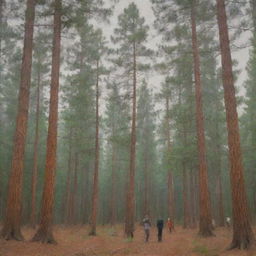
146, 225
169, 225
160, 226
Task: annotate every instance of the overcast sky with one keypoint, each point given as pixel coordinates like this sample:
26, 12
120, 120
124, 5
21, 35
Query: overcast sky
145, 7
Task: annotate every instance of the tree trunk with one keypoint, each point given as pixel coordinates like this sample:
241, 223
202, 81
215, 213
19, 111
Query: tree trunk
130, 204
96, 164
146, 187
113, 185
12, 222
74, 205
2, 2
44, 233
242, 232
186, 212
35, 156
205, 226
170, 176
219, 193
86, 191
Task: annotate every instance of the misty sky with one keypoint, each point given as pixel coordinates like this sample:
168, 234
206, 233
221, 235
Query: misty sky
145, 7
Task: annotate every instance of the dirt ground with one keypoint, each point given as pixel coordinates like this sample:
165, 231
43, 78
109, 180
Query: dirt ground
76, 242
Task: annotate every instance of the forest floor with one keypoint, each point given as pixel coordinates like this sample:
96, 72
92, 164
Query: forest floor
76, 242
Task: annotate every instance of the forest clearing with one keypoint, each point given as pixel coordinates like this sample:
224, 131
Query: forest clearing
74, 241
119, 112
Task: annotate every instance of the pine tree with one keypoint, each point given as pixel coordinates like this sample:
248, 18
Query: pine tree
41, 68
131, 34
11, 228
44, 233
205, 225
146, 151
98, 52
242, 232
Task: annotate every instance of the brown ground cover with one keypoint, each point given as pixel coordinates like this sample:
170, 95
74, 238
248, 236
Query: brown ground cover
76, 242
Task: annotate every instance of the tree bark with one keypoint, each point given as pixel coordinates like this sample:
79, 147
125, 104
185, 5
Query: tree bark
35, 156
12, 222
96, 163
74, 203
130, 204
113, 185
219, 192
186, 212
243, 236
146, 186
44, 233
205, 225
170, 176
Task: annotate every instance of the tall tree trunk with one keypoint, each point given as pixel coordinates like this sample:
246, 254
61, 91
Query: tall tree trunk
170, 176
186, 212
242, 232
219, 192
44, 233
66, 200
113, 185
86, 195
12, 222
35, 156
146, 186
130, 204
74, 205
205, 225
1, 106
96, 163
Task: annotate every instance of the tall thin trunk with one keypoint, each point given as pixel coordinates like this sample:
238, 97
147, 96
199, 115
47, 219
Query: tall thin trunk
170, 176
2, 2
86, 195
66, 200
35, 156
205, 225
146, 186
113, 185
130, 204
74, 205
242, 232
44, 233
1, 106
12, 222
186, 212
219, 191
96, 163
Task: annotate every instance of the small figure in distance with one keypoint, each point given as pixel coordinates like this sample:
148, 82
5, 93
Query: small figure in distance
170, 225
146, 225
160, 226
228, 222
213, 224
